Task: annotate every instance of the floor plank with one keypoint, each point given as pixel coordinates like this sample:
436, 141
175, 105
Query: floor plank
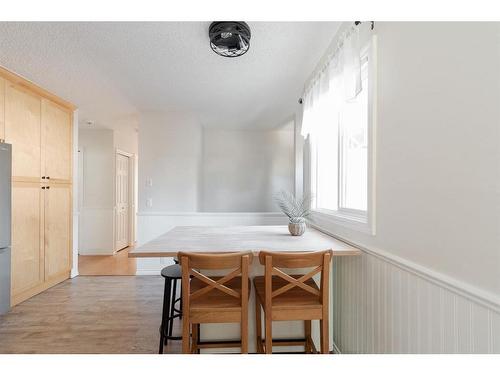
89, 314
100, 265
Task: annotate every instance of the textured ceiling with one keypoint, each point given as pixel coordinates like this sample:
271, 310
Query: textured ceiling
114, 70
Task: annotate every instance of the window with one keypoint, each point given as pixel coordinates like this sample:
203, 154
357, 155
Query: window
340, 155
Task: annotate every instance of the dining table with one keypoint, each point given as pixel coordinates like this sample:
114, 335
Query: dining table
255, 238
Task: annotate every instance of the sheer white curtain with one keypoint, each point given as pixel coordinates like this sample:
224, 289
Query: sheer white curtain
338, 82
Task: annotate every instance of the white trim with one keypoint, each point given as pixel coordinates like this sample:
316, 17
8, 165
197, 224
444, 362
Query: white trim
217, 214
362, 221
141, 272
479, 296
124, 153
358, 223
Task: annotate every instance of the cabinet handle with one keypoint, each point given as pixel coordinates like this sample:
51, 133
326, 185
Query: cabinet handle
48, 187
48, 177
43, 187
43, 177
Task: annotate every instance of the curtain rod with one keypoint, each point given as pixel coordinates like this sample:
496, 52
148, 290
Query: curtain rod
356, 23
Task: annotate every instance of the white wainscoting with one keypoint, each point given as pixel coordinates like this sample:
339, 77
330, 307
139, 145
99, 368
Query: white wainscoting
152, 224
95, 235
383, 306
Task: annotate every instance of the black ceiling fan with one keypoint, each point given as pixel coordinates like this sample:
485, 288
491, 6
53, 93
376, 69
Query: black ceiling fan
229, 38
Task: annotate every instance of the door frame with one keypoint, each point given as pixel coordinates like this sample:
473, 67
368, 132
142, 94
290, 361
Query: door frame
131, 198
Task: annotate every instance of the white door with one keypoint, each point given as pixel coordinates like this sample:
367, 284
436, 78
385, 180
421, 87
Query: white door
122, 202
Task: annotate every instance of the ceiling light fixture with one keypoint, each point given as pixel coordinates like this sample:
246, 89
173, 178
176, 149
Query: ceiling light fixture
229, 38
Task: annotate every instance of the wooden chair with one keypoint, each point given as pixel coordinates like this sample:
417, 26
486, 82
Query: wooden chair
292, 297
222, 299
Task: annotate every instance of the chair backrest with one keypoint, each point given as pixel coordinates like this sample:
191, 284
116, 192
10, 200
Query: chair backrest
192, 262
318, 260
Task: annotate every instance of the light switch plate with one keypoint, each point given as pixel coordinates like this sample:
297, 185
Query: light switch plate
149, 182
149, 202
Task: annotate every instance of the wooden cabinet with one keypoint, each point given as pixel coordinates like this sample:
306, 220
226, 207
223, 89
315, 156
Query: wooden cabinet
39, 127
27, 250
57, 230
22, 130
56, 142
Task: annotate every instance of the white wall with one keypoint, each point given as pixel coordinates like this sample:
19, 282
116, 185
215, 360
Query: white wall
126, 141
97, 148
242, 169
97, 195
170, 147
437, 202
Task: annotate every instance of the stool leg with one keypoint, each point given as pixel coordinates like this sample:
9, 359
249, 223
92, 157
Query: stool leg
165, 315
172, 305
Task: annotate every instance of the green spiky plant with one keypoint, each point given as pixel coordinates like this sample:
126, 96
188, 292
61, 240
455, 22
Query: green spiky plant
297, 209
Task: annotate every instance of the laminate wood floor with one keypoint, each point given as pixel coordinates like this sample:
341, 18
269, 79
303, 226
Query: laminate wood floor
89, 314
100, 265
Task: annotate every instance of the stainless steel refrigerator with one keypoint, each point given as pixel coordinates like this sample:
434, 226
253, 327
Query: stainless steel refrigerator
5, 218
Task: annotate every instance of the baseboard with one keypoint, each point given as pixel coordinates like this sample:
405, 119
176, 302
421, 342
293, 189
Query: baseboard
336, 349
147, 273
95, 253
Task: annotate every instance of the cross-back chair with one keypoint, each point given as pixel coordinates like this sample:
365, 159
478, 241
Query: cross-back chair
214, 299
292, 297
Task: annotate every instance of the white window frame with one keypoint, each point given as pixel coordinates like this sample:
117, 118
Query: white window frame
363, 221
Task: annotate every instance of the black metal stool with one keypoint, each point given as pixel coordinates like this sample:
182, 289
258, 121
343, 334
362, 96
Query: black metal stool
170, 312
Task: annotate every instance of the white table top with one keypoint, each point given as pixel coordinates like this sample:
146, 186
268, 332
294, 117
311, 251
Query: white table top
239, 238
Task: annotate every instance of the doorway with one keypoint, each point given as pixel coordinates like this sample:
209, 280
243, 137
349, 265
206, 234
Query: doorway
123, 199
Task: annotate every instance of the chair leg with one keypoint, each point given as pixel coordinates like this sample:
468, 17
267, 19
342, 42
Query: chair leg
198, 330
186, 335
244, 333
324, 332
195, 332
307, 335
165, 315
258, 327
269, 333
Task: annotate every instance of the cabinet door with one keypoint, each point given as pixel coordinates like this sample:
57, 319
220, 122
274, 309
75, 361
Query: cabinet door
57, 230
56, 142
22, 129
2, 109
27, 256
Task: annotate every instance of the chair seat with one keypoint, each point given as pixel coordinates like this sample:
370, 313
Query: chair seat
216, 299
172, 272
295, 298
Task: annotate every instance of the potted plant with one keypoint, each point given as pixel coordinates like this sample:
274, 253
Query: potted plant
296, 209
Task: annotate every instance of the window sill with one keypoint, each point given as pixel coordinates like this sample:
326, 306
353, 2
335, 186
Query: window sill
329, 219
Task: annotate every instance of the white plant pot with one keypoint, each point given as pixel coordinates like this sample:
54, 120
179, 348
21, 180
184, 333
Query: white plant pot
296, 229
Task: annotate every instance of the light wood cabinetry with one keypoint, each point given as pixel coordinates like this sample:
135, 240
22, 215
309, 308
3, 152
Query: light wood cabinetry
22, 130
56, 142
39, 127
57, 230
27, 237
